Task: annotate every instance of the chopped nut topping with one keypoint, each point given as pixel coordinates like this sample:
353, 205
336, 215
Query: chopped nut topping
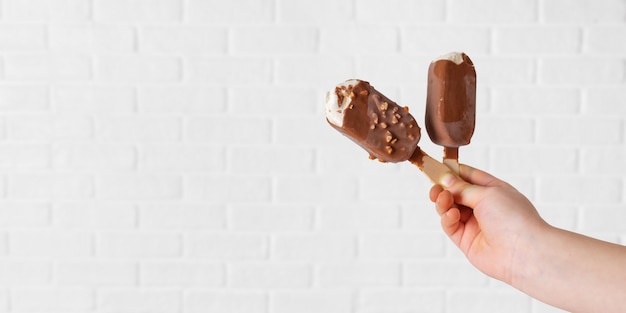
383, 125
372, 126
394, 140
364, 92
388, 136
394, 120
406, 109
401, 124
384, 106
410, 137
374, 118
394, 110
389, 149
372, 157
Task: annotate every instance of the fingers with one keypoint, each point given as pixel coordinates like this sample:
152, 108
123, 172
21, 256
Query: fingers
450, 221
434, 192
444, 202
477, 177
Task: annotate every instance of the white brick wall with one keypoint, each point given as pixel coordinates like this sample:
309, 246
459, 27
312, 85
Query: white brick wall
172, 155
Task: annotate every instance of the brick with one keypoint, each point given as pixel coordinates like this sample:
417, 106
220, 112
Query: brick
51, 244
389, 70
182, 217
230, 189
402, 300
357, 38
277, 101
588, 71
497, 71
187, 40
601, 39
139, 187
137, 10
493, 11
227, 71
42, 10
314, 247
338, 301
134, 69
270, 218
535, 101
24, 156
52, 299
95, 272
604, 101
315, 189
235, 130
230, 301
358, 274
580, 190
247, 11
585, 11
226, 246
400, 245
596, 131
444, 274
94, 156
602, 160
181, 273
93, 99
50, 186
133, 300
400, 10
305, 130
420, 215
314, 11
273, 40
271, 275
594, 219
535, 40
24, 98
48, 67
271, 160
505, 130
21, 38
94, 215
120, 244
182, 158
313, 70
24, 272
338, 217
26, 214
526, 160
139, 128
390, 189
92, 38
427, 40
190, 99
488, 301
49, 127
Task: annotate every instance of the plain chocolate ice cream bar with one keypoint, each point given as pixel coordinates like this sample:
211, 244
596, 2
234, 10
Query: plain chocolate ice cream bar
451, 104
380, 126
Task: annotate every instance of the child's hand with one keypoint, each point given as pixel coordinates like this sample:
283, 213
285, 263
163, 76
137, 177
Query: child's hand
487, 219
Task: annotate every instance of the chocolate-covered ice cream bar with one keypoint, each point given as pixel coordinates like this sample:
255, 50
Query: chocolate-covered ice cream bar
379, 125
451, 103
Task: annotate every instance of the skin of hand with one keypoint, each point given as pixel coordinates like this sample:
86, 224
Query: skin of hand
486, 218
501, 233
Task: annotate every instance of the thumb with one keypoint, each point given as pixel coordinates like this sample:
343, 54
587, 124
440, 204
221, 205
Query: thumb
464, 193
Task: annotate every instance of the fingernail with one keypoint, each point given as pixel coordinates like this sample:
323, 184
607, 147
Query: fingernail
447, 180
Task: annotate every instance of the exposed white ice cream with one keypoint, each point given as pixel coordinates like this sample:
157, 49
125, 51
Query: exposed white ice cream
334, 109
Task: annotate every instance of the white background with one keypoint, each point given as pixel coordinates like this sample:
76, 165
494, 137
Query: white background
172, 155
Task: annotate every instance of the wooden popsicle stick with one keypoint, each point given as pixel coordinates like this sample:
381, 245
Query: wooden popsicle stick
451, 158
434, 169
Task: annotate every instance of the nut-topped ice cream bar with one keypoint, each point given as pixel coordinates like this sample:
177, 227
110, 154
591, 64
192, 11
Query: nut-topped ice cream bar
379, 125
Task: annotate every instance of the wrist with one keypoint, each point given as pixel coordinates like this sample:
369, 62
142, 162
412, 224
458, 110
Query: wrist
531, 252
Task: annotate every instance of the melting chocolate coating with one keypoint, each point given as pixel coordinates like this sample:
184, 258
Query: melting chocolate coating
381, 127
451, 102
